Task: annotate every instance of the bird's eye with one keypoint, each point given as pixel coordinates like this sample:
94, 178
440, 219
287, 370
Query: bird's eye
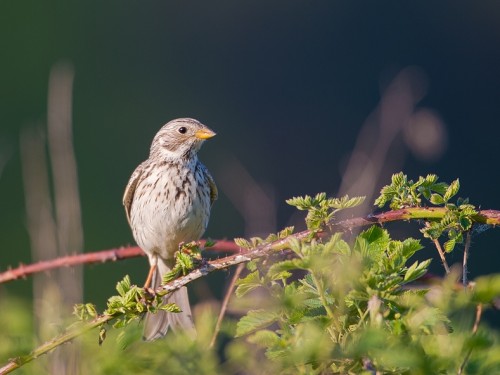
182, 130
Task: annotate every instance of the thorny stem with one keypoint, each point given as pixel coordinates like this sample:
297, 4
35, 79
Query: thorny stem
111, 255
69, 335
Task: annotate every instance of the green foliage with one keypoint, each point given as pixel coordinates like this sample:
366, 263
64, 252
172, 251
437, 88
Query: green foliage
346, 289
129, 305
353, 305
186, 259
403, 193
257, 241
457, 220
320, 209
335, 304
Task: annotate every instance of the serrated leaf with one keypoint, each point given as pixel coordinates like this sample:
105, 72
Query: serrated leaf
252, 265
449, 245
301, 203
398, 179
185, 261
286, 232
123, 286
436, 199
171, 307
452, 190
264, 338
431, 179
377, 240
465, 223
254, 320
241, 242
440, 187
416, 270
352, 202
410, 247
248, 283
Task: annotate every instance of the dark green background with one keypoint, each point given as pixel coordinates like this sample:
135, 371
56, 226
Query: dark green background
285, 84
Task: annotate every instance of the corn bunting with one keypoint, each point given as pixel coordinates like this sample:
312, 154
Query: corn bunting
167, 201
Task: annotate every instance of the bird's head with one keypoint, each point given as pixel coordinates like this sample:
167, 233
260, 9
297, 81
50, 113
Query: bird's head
180, 139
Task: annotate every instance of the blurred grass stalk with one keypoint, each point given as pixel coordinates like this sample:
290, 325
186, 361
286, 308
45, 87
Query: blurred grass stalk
398, 125
54, 225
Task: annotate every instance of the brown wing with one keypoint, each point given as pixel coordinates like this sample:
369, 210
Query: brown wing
128, 196
214, 193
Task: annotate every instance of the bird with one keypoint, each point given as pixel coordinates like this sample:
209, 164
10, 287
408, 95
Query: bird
167, 202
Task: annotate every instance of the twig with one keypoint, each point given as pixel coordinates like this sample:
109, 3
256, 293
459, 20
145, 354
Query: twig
479, 312
441, 254
95, 257
466, 258
69, 335
227, 297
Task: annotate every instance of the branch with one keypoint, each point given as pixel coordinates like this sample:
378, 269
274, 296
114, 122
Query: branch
490, 217
111, 255
70, 334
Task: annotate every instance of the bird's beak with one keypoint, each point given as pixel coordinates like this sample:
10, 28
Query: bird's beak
204, 133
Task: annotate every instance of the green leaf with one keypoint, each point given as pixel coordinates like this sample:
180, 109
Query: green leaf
171, 307
437, 199
248, 283
449, 245
452, 190
264, 338
416, 270
243, 243
465, 223
252, 265
286, 232
123, 286
254, 320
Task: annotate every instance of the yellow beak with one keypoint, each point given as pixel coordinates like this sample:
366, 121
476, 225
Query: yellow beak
204, 133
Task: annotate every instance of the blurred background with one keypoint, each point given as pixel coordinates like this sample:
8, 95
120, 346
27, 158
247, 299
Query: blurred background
304, 97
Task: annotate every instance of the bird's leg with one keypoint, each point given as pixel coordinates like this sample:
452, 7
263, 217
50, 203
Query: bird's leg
152, 270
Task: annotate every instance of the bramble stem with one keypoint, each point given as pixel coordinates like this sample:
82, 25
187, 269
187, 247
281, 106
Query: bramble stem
69, 335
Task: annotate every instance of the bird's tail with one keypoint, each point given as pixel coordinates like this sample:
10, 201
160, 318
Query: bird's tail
156, 325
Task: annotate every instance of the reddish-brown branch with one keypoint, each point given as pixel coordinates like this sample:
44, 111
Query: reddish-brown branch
491, 217
95, 257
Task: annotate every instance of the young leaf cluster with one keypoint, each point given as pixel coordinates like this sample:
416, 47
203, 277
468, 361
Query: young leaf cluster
457, 220
320, 209
186, 259
402, 193
257, 241
130, 304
